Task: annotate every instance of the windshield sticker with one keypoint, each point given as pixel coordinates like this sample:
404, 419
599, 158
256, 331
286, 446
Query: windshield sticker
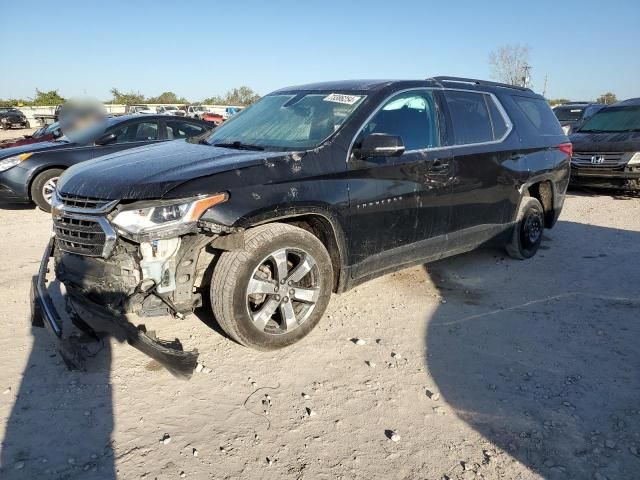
341, 98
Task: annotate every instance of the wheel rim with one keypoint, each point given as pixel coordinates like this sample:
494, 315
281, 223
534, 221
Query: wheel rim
532, 228
283, 291
48, 188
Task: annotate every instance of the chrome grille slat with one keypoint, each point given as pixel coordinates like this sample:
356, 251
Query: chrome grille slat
80, 225
609, 159
83, 205
79, 235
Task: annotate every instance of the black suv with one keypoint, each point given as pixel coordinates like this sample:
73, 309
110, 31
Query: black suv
312, 190
607, 148
12, 117
572, 115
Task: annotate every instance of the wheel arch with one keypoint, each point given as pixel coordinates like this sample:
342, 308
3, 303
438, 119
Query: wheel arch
327, 229
37, 171
544, 190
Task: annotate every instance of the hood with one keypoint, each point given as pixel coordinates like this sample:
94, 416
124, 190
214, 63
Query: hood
35, 147
24, 141
605, 142
151, 171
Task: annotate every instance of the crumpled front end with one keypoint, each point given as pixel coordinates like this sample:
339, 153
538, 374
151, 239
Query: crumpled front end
108, 278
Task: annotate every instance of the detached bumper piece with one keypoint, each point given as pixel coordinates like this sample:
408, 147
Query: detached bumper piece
92, 319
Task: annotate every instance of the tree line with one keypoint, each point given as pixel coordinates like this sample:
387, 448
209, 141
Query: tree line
236, 96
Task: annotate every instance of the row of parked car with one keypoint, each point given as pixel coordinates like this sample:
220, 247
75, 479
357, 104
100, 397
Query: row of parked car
192, 111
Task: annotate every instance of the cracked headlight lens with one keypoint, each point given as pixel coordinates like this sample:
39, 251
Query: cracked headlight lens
168, 216
9, 162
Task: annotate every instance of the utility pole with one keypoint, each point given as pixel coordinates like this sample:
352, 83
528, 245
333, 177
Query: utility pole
544, 90
525, 74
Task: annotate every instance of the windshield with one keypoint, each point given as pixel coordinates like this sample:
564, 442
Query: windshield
199, 109
568, 114
614, 119
288, 122
170, 108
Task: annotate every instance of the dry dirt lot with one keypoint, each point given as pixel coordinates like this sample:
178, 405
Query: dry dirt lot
484, 366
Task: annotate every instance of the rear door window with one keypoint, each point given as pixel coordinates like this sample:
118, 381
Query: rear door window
475, 117
137, 132
539, 114
180, 129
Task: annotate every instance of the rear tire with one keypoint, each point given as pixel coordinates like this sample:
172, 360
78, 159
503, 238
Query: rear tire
43, 186
273, 292
528, 230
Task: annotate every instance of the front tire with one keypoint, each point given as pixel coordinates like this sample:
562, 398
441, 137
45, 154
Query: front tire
43, 186
273, 292
528, 230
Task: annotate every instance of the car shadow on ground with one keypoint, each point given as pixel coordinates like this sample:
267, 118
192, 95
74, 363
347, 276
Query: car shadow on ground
545, 365
61, 422
618, 194
17, 206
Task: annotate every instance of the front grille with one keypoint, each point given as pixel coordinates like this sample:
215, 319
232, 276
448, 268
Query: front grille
598, 159
82, 236
82, 203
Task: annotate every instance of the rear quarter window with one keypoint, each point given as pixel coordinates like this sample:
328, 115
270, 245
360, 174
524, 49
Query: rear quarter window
539, 114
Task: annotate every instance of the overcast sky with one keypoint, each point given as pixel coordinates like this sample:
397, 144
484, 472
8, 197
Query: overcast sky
203, 48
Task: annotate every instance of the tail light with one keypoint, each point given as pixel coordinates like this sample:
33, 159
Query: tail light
566, 148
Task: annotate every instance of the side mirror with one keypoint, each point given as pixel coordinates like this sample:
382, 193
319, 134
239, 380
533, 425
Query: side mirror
106, 139
380, 145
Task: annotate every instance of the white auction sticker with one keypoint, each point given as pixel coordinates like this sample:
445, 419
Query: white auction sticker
342, 98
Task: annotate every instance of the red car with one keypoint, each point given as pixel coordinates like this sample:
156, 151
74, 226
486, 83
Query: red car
44, 134
212, 118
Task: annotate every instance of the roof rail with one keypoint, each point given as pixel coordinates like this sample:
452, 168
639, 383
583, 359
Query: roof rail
475, 81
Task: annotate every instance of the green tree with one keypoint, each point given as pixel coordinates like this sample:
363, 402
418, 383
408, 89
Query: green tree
14, 102
607, 98
51, 97
130, 98
236, 96
167, 97
558, 101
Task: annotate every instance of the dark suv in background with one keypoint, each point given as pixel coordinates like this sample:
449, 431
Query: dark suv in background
607, 148
12, 117
311, 190
572, 115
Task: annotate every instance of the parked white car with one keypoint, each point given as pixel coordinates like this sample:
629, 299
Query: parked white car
196, 111
140, 109
170, 110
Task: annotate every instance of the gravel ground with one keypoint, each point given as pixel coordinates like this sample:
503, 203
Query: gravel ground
477, 366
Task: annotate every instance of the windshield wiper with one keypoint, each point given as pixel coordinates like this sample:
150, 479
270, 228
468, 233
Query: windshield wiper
239, 146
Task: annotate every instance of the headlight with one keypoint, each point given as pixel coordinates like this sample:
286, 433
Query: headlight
635, 159
166, 217
7, 163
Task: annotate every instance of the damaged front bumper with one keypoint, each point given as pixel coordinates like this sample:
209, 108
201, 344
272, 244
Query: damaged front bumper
92, 319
